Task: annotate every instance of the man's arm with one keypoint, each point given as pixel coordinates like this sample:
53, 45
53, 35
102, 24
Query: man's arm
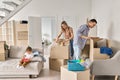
80, 31
85, 37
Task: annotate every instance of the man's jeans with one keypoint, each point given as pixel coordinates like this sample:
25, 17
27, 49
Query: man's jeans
77, 52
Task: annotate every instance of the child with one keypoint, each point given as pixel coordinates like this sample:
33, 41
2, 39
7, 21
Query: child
26, 58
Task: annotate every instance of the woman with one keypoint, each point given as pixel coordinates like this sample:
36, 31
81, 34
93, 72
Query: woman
68, 34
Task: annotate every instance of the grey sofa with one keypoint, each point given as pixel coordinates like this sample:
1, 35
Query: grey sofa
8, 67
110, 67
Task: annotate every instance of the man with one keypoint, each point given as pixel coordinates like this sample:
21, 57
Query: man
81, 37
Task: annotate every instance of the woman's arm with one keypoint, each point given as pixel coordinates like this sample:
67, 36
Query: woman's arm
59, 36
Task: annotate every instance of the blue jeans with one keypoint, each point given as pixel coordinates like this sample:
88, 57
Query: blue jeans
71, 48
77, 52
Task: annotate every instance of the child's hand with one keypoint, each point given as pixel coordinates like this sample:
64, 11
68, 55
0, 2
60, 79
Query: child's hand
23, 57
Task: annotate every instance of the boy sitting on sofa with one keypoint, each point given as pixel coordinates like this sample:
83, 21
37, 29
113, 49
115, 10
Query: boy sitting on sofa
26, 58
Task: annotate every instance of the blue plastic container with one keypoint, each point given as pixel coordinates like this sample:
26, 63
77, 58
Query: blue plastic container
74, 65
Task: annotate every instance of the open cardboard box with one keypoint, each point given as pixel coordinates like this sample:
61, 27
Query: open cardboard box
62, 42
60, 52
92, 48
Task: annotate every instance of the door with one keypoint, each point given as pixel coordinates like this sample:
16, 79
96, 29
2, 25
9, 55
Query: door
34, 33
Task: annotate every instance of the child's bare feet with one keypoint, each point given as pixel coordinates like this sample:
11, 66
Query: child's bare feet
22, 67
18, 66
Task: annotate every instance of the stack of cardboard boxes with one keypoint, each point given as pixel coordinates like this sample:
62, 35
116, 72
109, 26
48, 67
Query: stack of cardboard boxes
95, 45
2, 50
59, 55
92, 51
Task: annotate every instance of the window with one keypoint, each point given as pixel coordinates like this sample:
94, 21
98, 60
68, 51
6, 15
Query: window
6, 33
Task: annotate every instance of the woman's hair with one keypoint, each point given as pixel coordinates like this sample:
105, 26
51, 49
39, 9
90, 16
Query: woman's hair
65, 23
29, 48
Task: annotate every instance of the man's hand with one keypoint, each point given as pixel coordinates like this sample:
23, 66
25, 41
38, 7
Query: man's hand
85, 37
88, 37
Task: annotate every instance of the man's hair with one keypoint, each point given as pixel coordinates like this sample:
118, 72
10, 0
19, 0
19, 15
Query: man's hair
29, 48
93, 20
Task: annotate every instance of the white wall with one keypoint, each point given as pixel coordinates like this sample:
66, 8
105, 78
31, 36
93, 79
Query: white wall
107, 12
75, 12
81, 8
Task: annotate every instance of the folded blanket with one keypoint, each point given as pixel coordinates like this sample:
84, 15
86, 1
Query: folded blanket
106, 50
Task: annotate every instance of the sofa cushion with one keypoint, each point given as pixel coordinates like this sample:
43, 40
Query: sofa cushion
16, 51
8, 67
117, 56
40, 50
35, 59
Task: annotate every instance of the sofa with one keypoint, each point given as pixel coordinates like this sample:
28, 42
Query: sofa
8, 67
109, 67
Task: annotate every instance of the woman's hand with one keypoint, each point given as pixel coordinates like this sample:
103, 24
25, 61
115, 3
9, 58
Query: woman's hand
66, 40
58, 36
57, 40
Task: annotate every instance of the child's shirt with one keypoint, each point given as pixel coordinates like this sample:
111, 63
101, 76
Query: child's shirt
28, 56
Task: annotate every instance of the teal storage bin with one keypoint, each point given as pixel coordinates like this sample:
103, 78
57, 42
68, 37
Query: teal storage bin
74, 65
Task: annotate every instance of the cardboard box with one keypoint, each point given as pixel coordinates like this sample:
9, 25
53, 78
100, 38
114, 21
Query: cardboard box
2, 46
55, 64
60, 42
97, 55
74, 75
95, 52
95, 40
92, 48
2, 56
60, 52
85, 51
